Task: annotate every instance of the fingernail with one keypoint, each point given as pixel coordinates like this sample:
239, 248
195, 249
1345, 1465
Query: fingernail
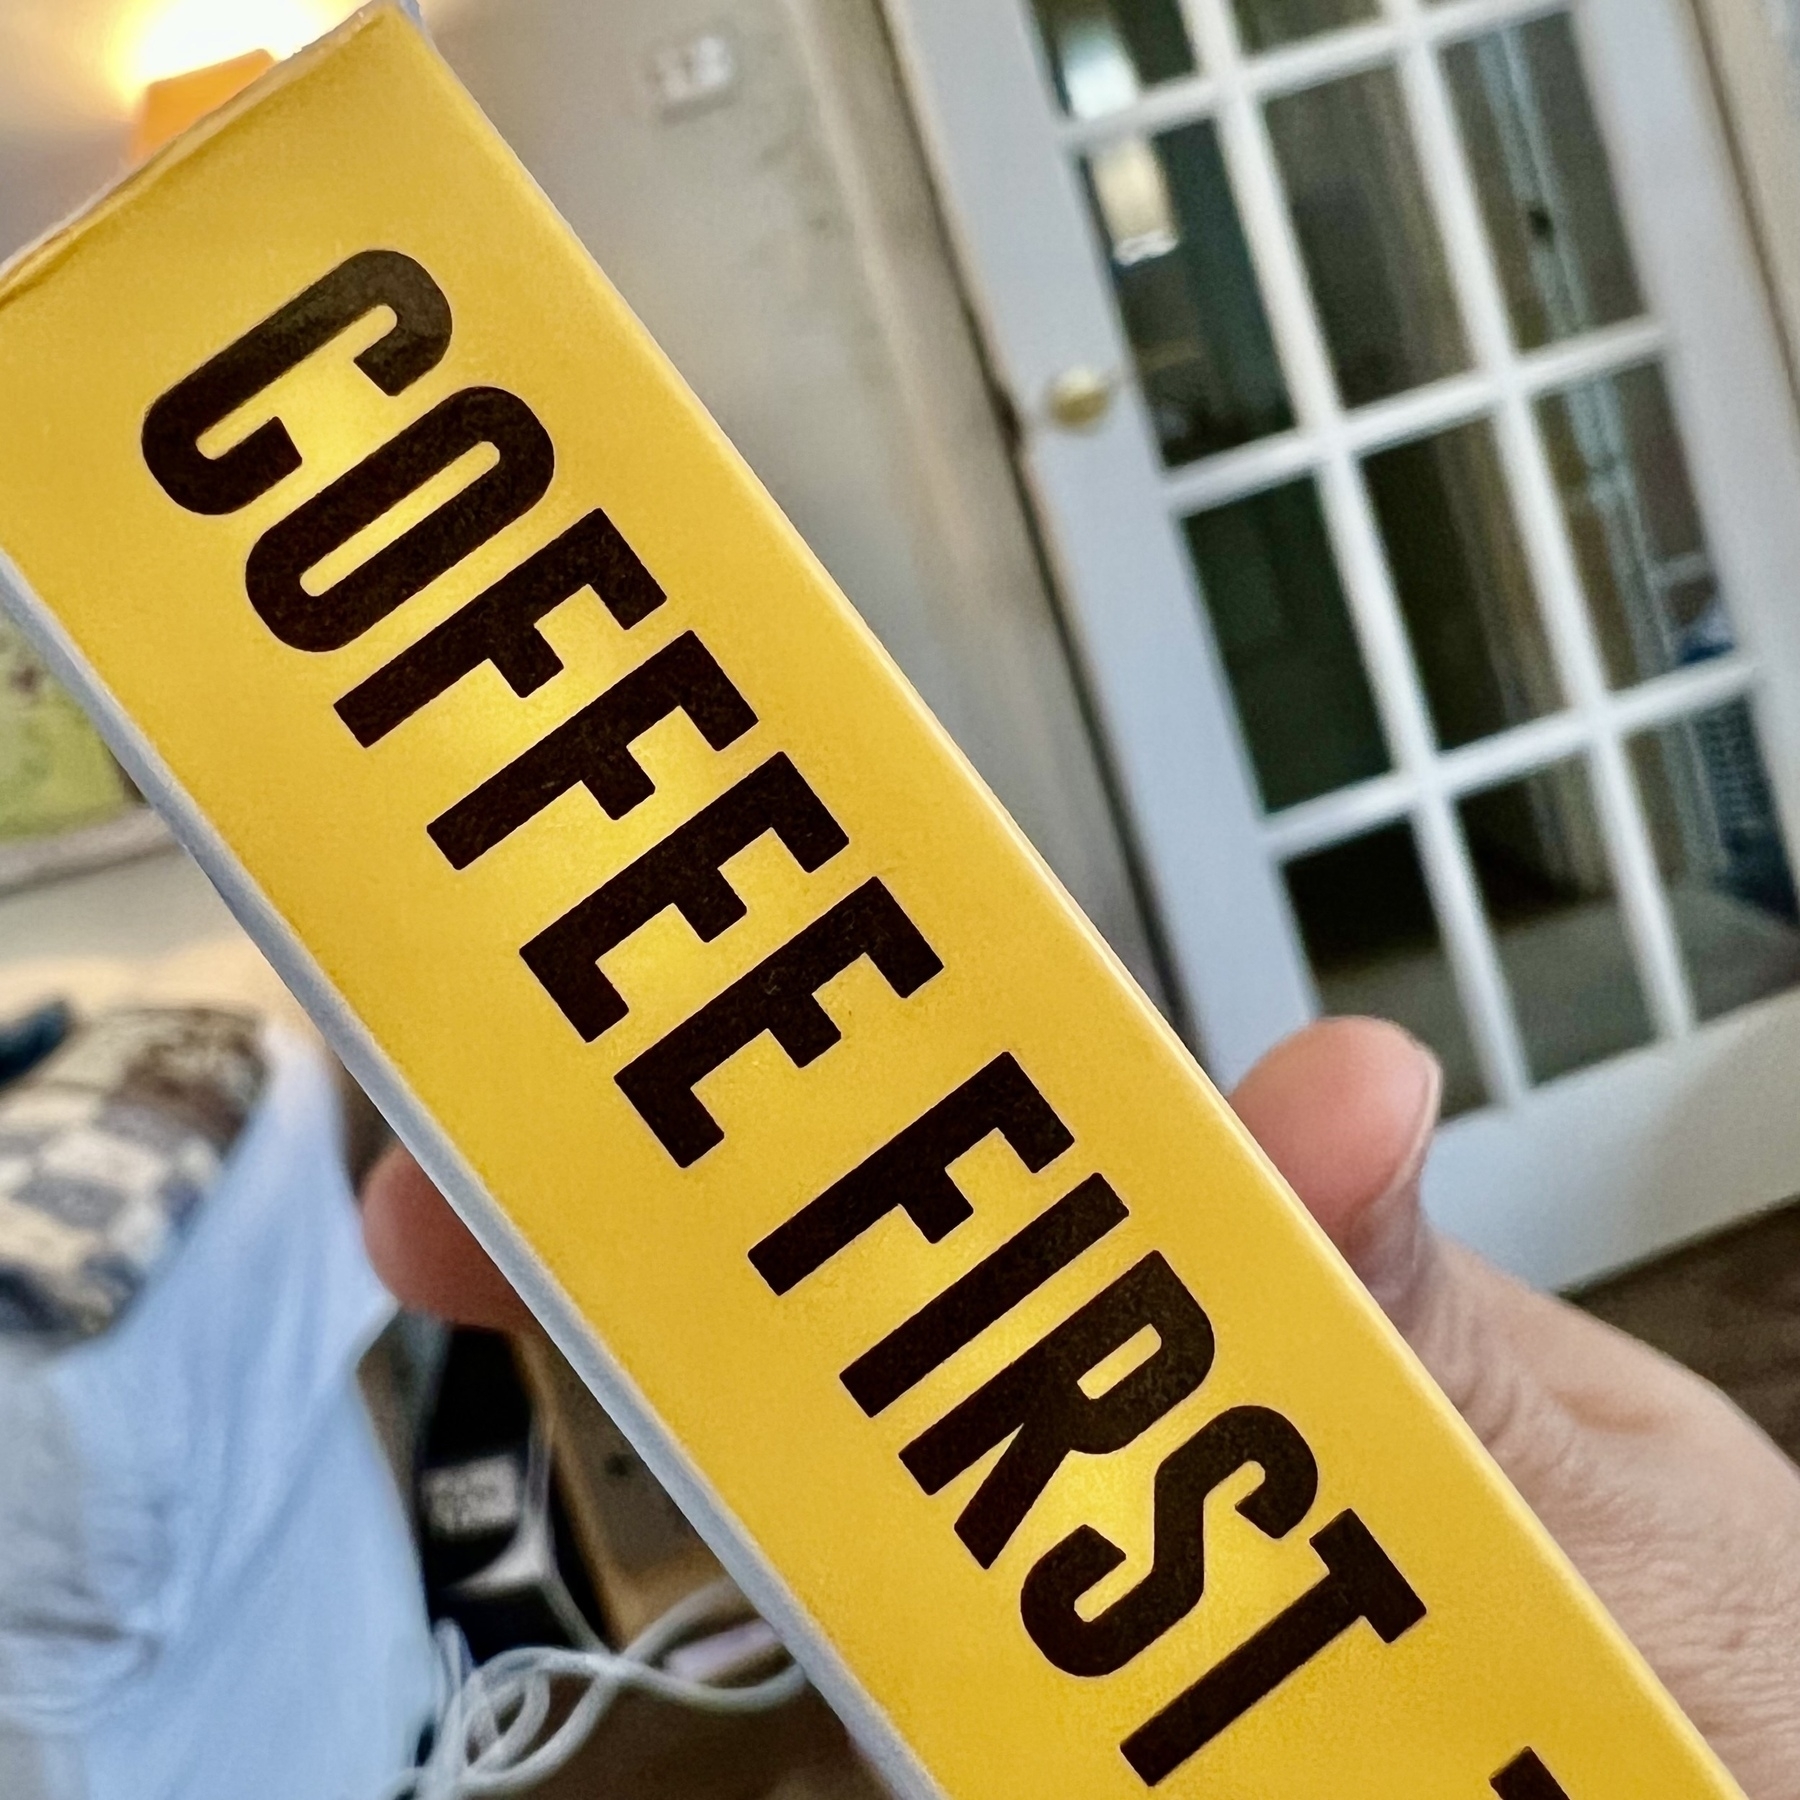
1395, 1249
1430, 1102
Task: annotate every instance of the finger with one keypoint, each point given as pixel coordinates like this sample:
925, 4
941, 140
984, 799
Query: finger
426, 1256
1345, 1111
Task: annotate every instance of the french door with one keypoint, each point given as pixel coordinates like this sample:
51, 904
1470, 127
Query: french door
1404, 413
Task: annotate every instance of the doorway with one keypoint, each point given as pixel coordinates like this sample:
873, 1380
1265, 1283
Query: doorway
1403, 411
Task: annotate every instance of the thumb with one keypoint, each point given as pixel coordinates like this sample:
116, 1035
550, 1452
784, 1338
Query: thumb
1345, 1111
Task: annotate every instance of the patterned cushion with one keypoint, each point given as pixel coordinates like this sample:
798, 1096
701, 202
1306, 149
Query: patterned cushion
106, 1148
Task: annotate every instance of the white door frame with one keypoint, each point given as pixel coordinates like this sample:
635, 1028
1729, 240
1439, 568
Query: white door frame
1506, 1177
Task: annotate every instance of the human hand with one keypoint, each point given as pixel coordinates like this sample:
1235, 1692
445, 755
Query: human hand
1683, 1517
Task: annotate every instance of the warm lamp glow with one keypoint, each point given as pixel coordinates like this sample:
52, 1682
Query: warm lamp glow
159, 39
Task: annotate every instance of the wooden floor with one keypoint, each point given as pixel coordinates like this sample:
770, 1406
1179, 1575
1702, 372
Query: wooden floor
1730, 1309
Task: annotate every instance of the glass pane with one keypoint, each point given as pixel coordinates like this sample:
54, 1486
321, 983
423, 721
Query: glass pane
1365, 227
1367, 922
1284, 635
1463, 584
1651, 587
1544, 876
1542, 174
1104, 53
1262, 24
1188, 292
1719, 843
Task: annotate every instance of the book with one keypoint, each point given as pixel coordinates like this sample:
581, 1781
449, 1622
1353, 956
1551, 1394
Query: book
908, 1245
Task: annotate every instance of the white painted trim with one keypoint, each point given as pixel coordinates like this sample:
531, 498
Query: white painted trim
1682, 1138
576, 1337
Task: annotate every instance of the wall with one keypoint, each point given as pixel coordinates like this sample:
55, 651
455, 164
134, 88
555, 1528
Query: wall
1754, 50
44, 176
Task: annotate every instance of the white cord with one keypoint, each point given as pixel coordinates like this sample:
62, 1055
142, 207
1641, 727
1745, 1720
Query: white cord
490, 1716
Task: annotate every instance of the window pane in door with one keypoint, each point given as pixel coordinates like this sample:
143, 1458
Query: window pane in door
1104, 53
1723, 858
1541, 171
1371, 934
1453, 547
1367, 233
1548, 887
1187, 292
1651, 586
1262, 24
1284, 635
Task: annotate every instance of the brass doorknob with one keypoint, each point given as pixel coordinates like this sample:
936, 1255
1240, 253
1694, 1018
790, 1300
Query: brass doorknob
1078, 399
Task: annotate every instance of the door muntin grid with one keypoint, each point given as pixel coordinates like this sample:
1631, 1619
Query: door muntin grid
1578, 674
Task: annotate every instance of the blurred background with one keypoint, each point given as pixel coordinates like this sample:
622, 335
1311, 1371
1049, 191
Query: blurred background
1333, 464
